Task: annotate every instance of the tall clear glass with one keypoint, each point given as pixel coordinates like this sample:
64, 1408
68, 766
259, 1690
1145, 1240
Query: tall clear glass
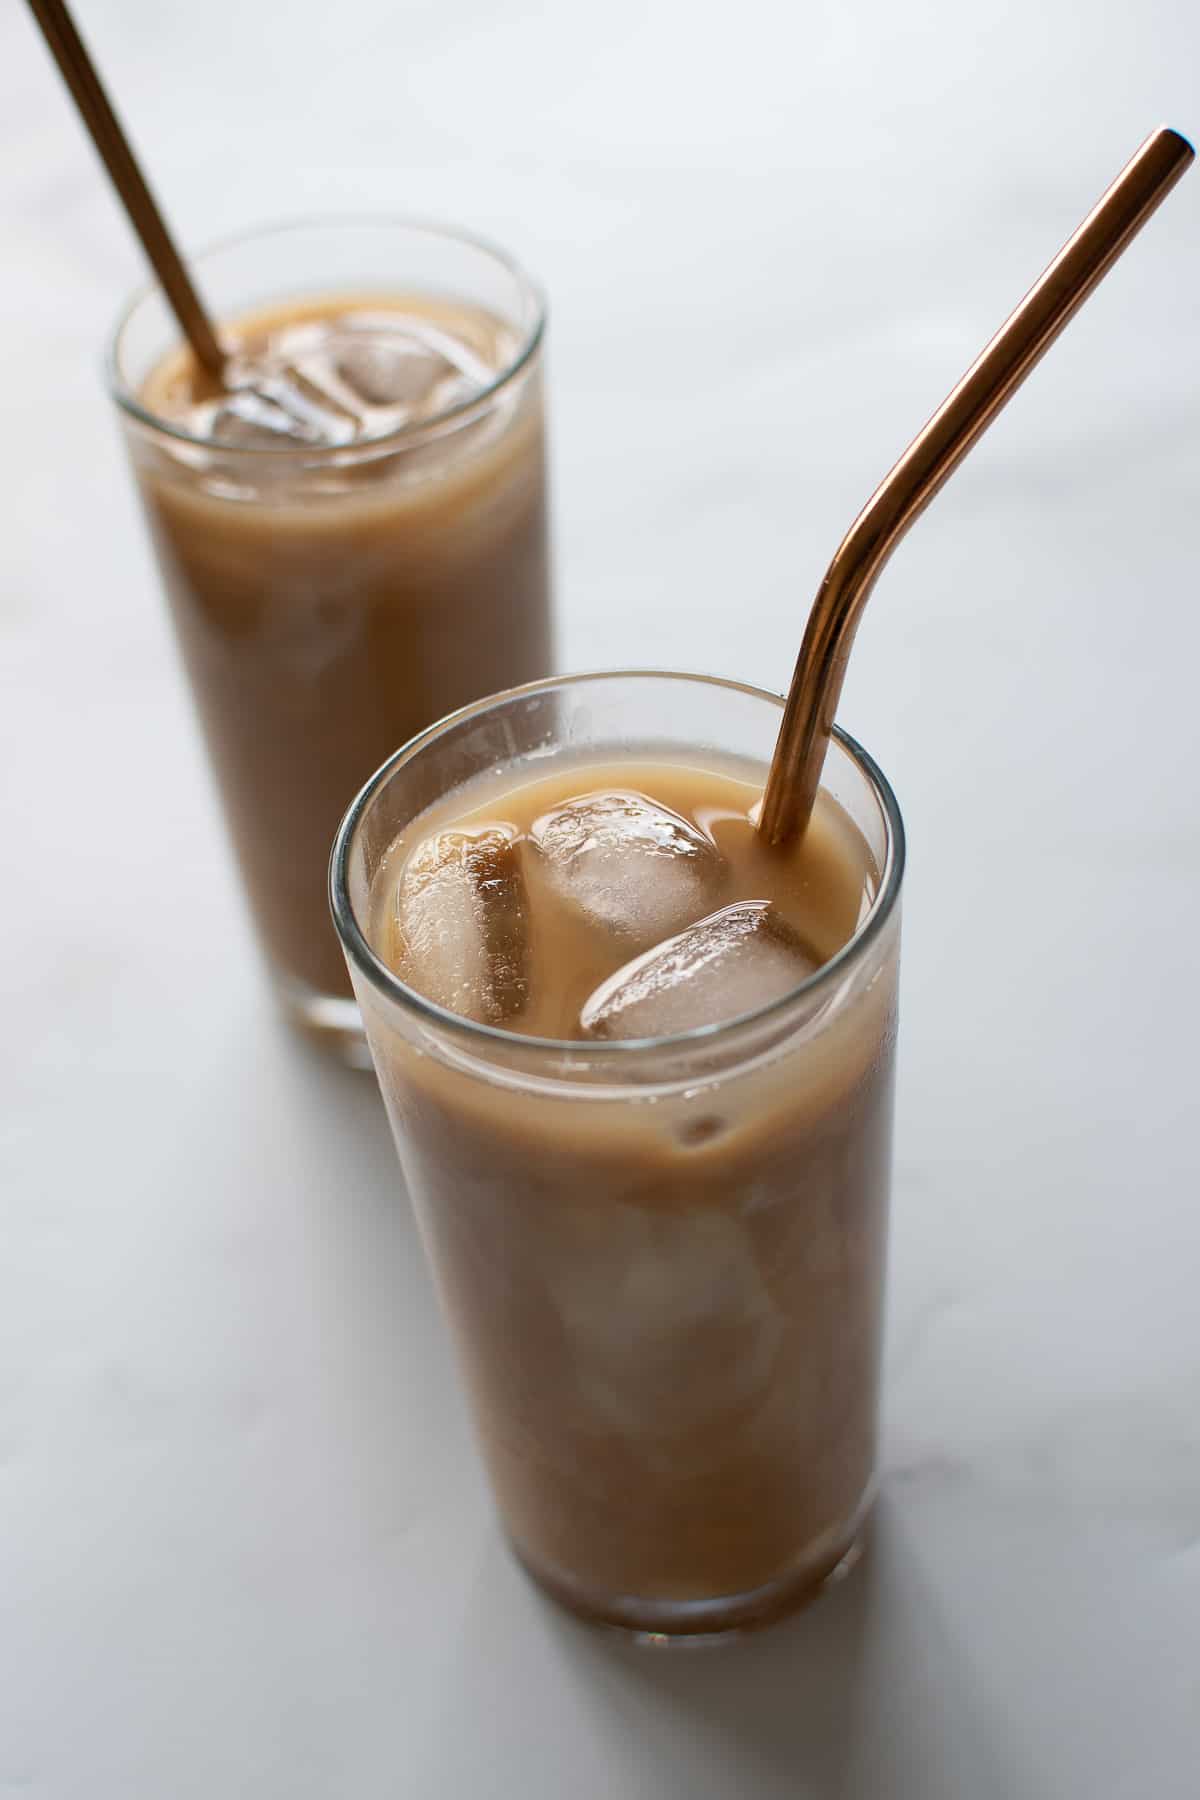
331, 602
662, 1260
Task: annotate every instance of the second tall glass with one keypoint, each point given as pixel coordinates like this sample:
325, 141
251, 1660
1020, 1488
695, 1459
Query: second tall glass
333, 600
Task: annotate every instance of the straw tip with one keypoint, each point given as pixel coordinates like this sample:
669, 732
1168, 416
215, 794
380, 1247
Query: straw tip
1180, 138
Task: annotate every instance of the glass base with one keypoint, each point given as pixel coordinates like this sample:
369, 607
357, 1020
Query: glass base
666, 1624
331, 1021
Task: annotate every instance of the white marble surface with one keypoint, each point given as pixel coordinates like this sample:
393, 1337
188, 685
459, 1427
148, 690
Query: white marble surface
244, 1545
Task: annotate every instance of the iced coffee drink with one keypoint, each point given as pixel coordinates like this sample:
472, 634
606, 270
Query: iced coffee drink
351, 532
640, 1073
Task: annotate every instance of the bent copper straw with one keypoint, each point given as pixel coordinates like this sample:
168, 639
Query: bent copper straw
68, 51
932, 458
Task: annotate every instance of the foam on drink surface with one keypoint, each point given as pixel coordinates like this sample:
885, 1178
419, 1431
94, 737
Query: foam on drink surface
636, 899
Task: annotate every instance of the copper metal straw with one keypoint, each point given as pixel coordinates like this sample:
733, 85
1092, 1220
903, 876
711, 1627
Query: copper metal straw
68, 51
932, 458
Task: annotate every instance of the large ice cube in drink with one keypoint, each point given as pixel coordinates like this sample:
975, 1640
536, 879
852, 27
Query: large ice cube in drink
629, 864
330, 382
386, 370
461, 924
736, 960
670, 1333
270, 416
392, 371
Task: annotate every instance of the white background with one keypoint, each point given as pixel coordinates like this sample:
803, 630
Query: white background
244, 1545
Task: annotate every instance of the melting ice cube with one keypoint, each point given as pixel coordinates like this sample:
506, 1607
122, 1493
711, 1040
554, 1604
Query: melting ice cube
269, 416
629, 864
391, 371
670, 1332
329, 382
387, 371
733, 962
461, 924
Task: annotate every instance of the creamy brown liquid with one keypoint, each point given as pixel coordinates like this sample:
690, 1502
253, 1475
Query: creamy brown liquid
329, 607
667, 1298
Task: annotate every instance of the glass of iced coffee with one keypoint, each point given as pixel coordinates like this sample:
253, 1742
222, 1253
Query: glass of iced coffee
352, 533
639, 1069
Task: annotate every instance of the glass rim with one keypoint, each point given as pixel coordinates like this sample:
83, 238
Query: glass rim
124, 397
383, 979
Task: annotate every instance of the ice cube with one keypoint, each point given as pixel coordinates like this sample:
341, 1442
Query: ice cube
391, 371
329, 383
629, 864
461, 924
388, 371
733, 962
669, 1330
259, 418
